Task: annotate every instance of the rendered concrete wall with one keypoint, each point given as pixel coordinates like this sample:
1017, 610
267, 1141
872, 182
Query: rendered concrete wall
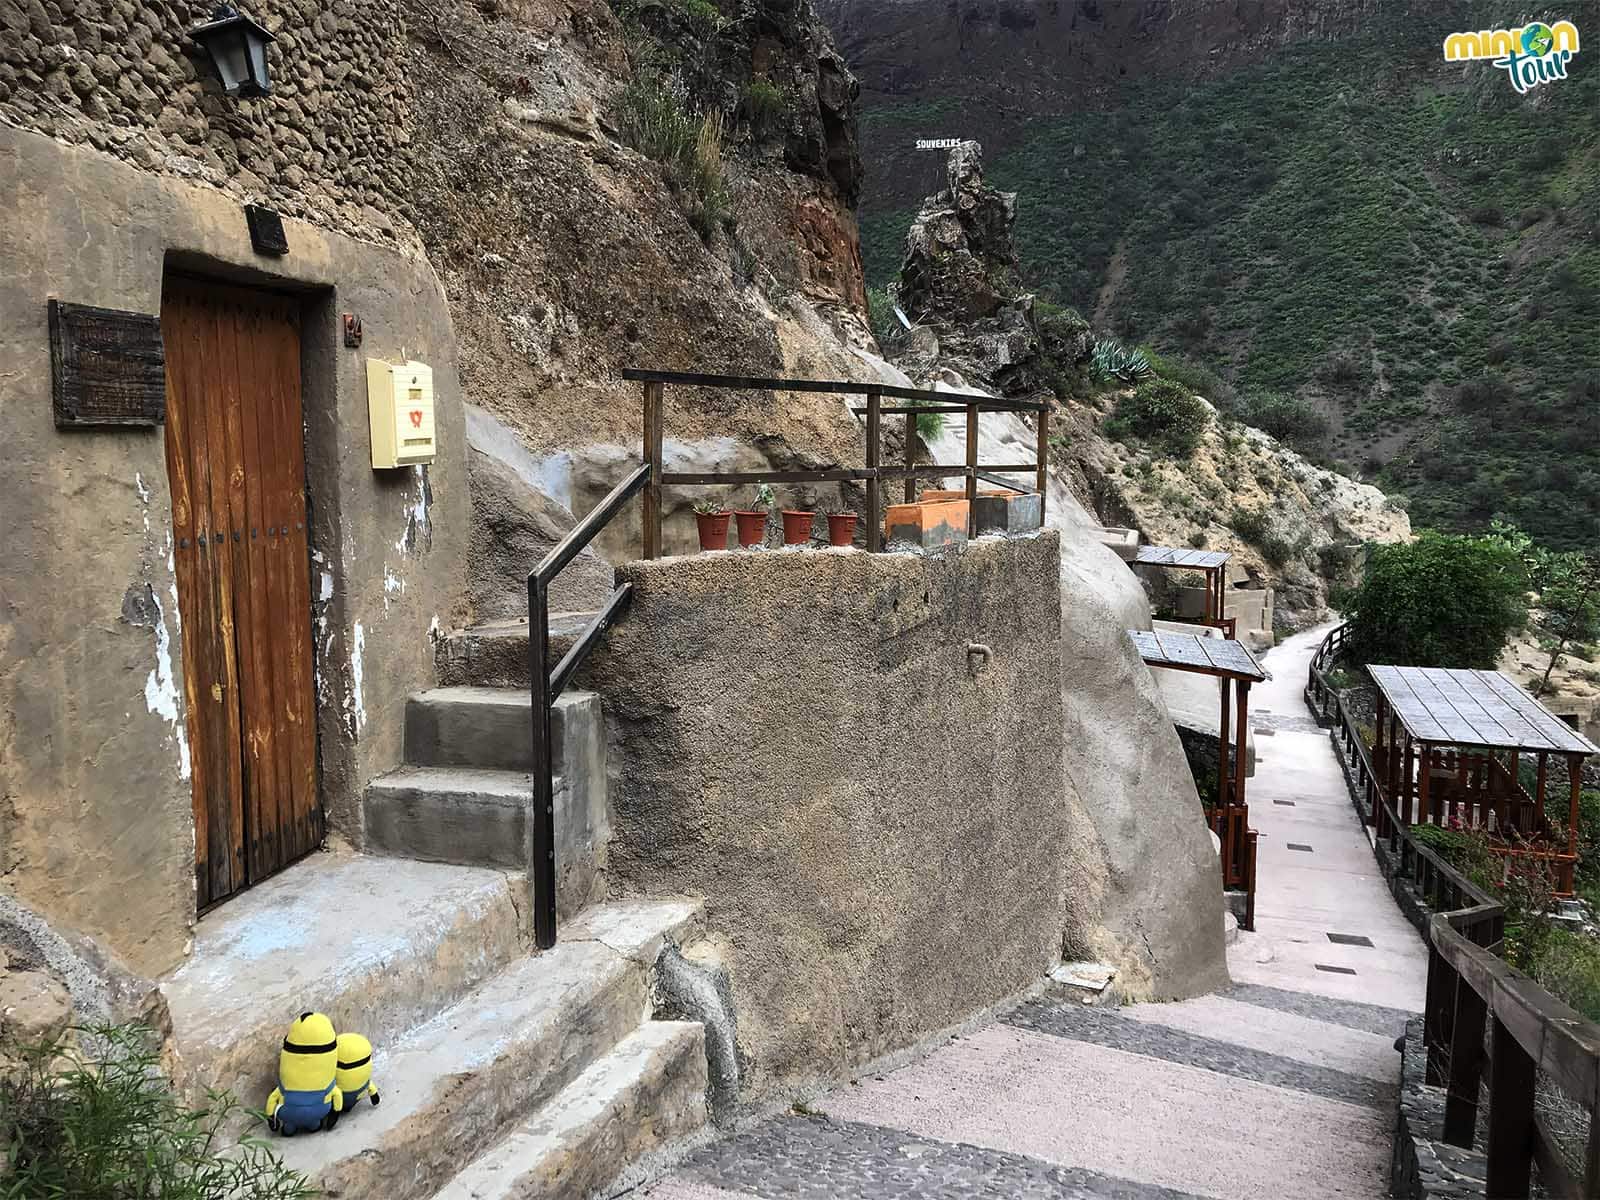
875, 816
97, 825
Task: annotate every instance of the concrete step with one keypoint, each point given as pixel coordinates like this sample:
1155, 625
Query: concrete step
455, 1085
491, 727
381, 946
496, 654
648, 1092
462, 815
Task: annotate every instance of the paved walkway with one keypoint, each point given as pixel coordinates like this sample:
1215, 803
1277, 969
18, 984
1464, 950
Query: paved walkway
1281, 1087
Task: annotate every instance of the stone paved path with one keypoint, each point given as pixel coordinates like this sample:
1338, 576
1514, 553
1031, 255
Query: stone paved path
1281, 1087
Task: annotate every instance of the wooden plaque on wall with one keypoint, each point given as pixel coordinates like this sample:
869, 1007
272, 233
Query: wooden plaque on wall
107, 367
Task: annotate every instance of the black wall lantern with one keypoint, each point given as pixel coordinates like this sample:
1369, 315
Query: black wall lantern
238, 49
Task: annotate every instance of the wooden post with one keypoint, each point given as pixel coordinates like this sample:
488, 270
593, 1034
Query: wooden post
1044, 457
1540, 780
1250, 881
1380, 759
1222, 594
1514, 792
1392, 768
1241, 691
653, 424
1437, 1020
1511, 1132
874, 484
1424, 784
972, 469
1575, 774
911, 456
1466, 1066
1575, 777
1222, 754
1407, 814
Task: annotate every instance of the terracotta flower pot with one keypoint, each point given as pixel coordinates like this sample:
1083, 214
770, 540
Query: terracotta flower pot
842, 529
796, 528
713, 529
752, 527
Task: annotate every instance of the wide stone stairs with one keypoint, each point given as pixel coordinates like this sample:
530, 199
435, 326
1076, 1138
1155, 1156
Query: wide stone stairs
501, 1073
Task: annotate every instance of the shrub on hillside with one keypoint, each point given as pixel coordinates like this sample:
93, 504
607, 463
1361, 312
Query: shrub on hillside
1485, 394
105, 1126
1285, 416
1254, 526
1166, 414
1441, 601
654, 118
880, 314
1203, 381
764, 104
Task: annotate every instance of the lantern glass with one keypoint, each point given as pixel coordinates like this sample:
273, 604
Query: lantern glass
238, 49
228, 52
258, 66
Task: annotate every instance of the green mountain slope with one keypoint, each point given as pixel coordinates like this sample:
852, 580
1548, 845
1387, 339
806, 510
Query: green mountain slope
1413, 248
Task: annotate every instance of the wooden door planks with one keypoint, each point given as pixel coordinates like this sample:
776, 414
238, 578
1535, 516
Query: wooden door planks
236, 458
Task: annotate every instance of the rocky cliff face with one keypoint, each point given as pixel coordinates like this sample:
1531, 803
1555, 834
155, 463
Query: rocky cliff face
568, 254
1289, 524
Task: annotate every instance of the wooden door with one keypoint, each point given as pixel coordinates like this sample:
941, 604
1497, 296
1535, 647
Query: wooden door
236, 462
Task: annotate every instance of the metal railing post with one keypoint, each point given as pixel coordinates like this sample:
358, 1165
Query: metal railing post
542, 820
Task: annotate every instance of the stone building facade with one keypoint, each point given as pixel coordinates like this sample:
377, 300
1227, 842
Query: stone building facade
123, 167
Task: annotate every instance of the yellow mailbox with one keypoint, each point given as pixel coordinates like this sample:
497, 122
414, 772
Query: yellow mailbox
400, 407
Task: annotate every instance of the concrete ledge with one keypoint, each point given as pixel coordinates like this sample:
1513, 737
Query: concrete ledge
1124, 543
451, 815
648, 1092
379, 944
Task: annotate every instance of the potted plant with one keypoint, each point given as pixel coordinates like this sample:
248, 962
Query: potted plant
712, 521
752, 522
797, 526
842, 528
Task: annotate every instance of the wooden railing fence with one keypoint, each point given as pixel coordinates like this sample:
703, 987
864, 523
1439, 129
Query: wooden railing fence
1482, 1016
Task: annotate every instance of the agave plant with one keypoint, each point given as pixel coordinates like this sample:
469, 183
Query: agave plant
1112, 360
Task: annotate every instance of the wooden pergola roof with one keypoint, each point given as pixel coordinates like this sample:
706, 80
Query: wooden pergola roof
1486, 709
1172, 556
1222, 657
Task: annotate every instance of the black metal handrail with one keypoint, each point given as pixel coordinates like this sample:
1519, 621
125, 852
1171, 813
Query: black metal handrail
545, 687
1470, 984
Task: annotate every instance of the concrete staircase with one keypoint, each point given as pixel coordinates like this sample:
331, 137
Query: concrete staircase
496, 653
502, 1074
498, 1094
464, 793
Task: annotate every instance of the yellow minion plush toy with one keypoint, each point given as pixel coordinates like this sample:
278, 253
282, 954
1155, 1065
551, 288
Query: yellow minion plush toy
307, 1096
355, 1070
